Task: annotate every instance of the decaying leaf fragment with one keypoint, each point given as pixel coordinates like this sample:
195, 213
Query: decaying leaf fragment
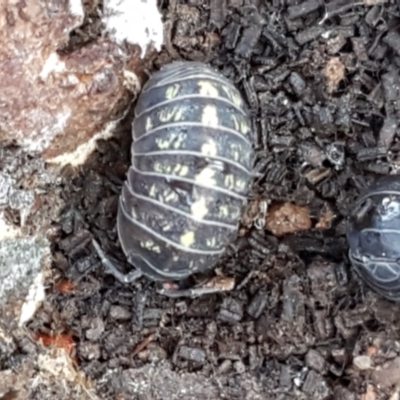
287, 218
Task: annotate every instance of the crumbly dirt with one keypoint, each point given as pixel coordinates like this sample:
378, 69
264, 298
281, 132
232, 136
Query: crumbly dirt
322, 83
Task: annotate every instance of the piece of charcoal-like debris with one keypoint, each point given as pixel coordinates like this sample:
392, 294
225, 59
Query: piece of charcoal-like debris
217, 12
231, 311
392, 39
303, 9
192, 354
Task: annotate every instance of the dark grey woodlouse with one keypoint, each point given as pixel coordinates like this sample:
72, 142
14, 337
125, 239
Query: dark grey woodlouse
373, 234
191, 172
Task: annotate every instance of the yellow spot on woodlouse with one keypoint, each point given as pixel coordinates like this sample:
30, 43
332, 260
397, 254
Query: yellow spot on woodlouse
240, 184
168, 227
153, 191
206, 177
229, 181
199, 208
170, 196
150, 245
211, 242
223, 211
163, 144
209, 116
240, 124
158, 167
171, 114
209, 148
191, 266
235, 152
235, 121
244, 127
149, 124
172, 91
181, 170
206, 88
179, 139
187, 239
234, 97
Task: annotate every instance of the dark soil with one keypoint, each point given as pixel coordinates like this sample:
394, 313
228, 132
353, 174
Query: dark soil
322, 83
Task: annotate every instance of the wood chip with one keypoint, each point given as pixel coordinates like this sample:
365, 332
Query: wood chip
370, 393
334, 73
325, 219
388, 375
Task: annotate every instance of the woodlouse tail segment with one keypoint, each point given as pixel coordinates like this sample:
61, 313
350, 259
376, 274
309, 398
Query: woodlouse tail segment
112, 269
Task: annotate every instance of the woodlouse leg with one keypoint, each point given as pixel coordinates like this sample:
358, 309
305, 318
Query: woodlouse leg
111, 268
192, 293
217, 284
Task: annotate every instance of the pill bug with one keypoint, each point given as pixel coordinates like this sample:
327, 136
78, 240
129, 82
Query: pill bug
373, 234
190, 173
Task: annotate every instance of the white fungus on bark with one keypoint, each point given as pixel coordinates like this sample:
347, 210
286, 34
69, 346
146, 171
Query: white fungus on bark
137, 22
33, 300
82, 152
22, 262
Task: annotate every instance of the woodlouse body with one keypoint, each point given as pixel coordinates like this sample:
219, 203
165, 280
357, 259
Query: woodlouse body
373, 234
190, 174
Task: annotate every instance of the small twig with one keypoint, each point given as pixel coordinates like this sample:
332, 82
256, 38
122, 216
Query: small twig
143, 344
245, 280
